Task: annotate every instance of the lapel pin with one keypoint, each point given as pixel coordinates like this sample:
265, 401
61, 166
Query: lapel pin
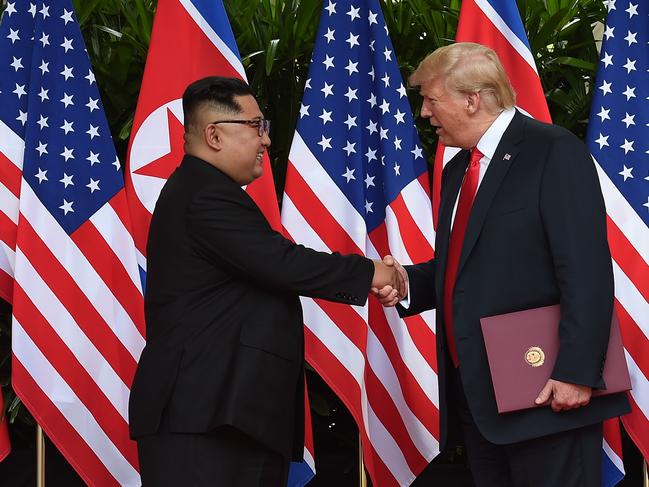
507, 157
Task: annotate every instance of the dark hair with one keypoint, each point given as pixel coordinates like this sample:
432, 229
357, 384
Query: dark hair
217, 91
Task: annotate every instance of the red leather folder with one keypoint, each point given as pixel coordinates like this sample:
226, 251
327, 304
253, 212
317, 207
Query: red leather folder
522, 349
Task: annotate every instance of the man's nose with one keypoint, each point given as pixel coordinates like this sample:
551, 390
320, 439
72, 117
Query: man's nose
425, 112
265, 139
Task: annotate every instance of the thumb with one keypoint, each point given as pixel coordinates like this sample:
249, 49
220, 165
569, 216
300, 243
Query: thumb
545, 394
388, 260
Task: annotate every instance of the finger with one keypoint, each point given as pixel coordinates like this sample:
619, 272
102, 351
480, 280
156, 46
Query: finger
385, 291
544, 395
389, 260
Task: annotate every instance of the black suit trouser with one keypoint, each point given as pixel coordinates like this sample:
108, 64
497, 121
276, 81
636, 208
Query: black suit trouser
570, 458
224, 457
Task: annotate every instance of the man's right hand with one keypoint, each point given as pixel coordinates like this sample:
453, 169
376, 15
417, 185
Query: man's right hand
389, 295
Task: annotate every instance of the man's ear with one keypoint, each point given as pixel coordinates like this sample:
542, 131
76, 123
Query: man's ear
472, 102
213, 137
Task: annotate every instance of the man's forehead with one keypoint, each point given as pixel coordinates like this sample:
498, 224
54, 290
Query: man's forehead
249, 106
432, 86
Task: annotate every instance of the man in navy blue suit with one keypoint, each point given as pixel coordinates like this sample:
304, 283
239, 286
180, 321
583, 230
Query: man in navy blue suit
522, 224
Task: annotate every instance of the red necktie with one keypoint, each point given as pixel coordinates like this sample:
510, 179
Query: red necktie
467, 193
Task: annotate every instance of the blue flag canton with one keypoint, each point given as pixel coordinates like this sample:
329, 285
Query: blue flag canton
51, 100
619, 120
355, 117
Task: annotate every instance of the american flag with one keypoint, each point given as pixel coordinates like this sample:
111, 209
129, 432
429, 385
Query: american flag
617, 139
191, 39
78, 324
357, 181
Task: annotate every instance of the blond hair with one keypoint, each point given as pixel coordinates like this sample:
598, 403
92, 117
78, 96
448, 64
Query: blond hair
467, 67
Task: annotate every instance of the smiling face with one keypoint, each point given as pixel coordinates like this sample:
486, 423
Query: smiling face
237, 149
242, 148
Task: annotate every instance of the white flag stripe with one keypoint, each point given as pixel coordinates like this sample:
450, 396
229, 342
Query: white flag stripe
72, 335
384, 444
71, 407
326, 191
11, 145
423, 372
420, 207
308, 459
379, 361
7, 258
113, 231
231, 57
639, 385
75, 262
504, 29
624, 216
395, 242
631, 299
613, 456
8, 204
345, 351
299, 229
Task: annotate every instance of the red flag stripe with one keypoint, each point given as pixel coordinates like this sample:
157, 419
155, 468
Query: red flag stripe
10, 175
58, 429
111, 269
8, 231
6, 286
635, 423
417, 400
59, 355
628, 258
347, 389
312, 209
419, 246
72, 297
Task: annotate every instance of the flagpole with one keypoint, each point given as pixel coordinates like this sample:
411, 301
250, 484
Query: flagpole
40, 457
362, 476
645, 476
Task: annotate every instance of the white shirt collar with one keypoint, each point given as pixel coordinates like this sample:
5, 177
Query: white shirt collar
491, 138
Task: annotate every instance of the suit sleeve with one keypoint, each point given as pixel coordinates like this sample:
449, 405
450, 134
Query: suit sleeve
574, 217
421, 282
230, 231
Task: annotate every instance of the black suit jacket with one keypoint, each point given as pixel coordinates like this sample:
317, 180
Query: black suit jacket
223, 316
536, 236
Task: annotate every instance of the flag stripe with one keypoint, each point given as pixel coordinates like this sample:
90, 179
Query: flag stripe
56, 426
92, 395
66, 300
6, 286
231, 59
10, 175
65, 252
108, 265
405, 232
628, 259
331, 229
91, 356
68, 423
7, 231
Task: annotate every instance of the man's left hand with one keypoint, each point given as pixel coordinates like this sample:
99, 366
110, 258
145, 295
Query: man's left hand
564, 396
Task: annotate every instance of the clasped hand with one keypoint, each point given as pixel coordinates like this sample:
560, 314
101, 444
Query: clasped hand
390, 283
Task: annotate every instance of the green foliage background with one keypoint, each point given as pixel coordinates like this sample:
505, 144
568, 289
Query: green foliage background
275, 39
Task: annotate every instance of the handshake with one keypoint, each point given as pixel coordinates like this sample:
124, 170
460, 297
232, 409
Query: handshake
390, 282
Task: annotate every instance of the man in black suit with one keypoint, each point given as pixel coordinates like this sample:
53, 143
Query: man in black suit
522, 224
218, 396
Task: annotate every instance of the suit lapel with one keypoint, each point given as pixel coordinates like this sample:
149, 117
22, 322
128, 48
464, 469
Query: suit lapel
505, 154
